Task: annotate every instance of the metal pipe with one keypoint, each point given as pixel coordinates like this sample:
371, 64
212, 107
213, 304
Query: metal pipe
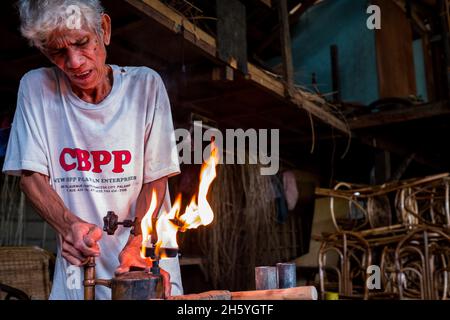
89, 279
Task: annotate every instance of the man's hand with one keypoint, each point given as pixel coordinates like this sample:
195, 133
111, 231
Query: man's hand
131, 257
79, 238
81, 242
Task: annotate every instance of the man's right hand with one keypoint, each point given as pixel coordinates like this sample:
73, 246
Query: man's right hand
79, 238
81, 242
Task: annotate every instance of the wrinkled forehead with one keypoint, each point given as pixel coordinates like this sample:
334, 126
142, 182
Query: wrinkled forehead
63, 36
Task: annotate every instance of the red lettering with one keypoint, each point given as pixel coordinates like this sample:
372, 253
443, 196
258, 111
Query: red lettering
121, 158
62, 159
83, 160
100, 158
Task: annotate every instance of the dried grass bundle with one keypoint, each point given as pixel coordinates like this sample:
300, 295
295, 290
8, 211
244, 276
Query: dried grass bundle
244, 233
12, 209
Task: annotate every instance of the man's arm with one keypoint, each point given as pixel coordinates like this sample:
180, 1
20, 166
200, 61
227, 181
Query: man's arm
79, 238
145, 197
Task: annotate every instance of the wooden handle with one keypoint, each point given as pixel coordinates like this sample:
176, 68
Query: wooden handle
209, 295
297, 293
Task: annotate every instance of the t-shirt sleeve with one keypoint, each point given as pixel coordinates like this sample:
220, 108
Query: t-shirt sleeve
160, 155
25, 150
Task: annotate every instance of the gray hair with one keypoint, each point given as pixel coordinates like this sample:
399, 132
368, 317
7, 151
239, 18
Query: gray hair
41, 17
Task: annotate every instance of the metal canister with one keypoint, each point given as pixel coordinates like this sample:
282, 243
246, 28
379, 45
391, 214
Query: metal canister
137, 285
287, 275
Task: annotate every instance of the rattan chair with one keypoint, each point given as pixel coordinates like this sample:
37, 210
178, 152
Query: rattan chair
27, 269
353, 258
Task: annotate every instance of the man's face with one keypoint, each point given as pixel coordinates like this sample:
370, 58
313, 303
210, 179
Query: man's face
80, 54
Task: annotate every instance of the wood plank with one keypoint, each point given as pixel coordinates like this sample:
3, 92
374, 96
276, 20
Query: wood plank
395, 62
320, 113
400, 115
265, 80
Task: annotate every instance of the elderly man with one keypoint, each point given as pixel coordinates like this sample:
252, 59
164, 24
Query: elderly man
87, 138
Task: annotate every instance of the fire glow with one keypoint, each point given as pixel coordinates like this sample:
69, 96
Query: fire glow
197, 213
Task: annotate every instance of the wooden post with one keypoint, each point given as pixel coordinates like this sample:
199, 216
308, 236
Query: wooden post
232, 33
286, 50
335, 73
445, 38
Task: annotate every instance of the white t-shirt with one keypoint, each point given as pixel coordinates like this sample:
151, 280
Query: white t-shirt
96, 155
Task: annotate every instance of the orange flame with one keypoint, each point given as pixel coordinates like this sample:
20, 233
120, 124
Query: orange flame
146, 224
201, 213
195, 214
166, 230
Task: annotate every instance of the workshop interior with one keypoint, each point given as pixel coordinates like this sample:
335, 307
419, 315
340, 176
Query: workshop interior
311, 136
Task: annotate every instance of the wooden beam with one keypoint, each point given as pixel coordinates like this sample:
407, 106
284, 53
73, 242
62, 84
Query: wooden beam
173, 21
265, 80
321, 113
399, 115
158, 11
286, 50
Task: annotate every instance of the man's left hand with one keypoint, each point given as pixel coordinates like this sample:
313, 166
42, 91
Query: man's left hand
131, 257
